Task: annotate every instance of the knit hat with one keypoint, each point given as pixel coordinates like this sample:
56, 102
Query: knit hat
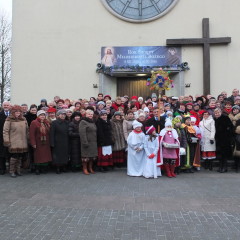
146, 109
149, 130
117, 114
101, 102
50, 110
167, 104
237, 98
142, 114
61, 111
103, 112
140, 99
107, 96
134, 98
168, 123
169, 112
154, 95
136, 124
191, 104
236, 107
44, 100
41, 112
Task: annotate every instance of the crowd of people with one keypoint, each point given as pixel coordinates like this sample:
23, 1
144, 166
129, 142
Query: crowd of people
169, 134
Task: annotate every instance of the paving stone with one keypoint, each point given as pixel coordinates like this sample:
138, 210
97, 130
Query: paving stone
199, 206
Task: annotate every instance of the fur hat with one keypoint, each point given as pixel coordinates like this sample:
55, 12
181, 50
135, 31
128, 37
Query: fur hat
149, 130
60, 100
136, 124
140, 99
41, 112
16, 108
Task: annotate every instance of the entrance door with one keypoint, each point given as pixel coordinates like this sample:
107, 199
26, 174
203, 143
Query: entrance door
133, 87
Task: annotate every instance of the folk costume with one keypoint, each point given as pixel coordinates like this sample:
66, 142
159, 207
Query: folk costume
40, 141
169, 149
15, 136
104, 142
151, 147
193, 147
208, 145
135, 159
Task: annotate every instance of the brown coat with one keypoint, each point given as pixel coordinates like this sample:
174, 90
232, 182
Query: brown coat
118, 135
88, 136
127, 127
42, 152
15, 134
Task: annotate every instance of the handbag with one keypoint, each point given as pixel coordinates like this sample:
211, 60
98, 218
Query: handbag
170, 145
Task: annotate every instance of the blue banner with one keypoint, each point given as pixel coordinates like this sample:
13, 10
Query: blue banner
142, 56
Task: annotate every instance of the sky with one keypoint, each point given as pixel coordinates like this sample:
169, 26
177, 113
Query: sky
6, 6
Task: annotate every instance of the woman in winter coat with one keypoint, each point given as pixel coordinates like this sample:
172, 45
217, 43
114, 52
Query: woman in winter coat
236, 152
74, 140
235, 114
118, 138
224, 138
127, 124
59, 142
88, 137
15, 136
104, 141
40, 142
208, 145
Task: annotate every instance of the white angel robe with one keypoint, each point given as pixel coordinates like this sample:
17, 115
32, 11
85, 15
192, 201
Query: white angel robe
151, 170
135, 161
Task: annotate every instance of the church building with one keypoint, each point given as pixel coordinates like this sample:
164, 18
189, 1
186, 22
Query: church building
76, 49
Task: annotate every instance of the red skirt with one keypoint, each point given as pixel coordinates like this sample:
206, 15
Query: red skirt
209, 155
104, 161
118, 156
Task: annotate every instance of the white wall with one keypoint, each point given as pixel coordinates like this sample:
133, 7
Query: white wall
57, 43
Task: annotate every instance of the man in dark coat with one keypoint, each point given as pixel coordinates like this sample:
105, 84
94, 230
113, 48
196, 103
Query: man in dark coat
3, 150
223, 137
59, 141
155, 121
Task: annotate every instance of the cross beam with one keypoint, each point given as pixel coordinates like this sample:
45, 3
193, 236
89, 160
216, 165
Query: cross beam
205, 41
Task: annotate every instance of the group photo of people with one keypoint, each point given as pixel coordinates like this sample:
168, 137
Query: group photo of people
149, 137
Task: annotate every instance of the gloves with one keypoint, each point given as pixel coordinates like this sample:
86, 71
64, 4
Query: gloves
151, 156
211, 142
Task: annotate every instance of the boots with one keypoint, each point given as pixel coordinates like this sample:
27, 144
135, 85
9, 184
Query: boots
85, 170
167, 169
172, 169
210, 165
206, 164
90, 165
37, 170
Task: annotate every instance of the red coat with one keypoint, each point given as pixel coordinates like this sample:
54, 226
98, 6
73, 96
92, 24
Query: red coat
42, 152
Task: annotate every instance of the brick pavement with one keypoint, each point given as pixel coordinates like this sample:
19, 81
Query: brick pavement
195, 206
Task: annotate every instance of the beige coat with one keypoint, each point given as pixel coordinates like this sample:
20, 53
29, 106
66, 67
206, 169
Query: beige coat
234, 118
15, 135
127, 127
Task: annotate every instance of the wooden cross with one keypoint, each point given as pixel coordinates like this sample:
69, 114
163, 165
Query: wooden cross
205, 41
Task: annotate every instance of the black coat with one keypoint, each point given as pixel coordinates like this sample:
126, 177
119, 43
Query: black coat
2, 121
104, 133
156, 123
59, 142
30, 117
74, 139
224, 134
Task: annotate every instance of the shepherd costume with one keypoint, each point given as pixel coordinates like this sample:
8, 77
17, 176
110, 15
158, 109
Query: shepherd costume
151, 147
135, 162
169, 156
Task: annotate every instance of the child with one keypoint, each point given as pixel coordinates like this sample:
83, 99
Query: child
169, 148
151, 146
135, 142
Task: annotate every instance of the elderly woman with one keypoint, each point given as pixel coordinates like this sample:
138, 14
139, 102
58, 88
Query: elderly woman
88, 137
59, 141
15, 134
119, 140
40, 142
208, 145
223, 137
74, 138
